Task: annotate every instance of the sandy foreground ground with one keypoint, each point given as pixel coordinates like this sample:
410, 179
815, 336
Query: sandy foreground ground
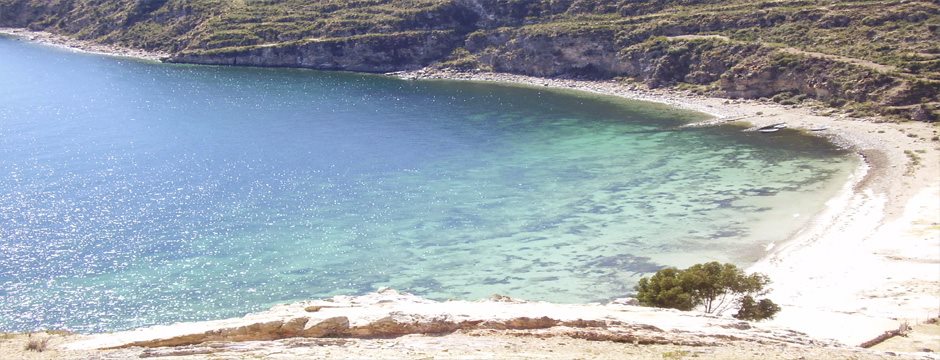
462, 346
392, 325
867, 264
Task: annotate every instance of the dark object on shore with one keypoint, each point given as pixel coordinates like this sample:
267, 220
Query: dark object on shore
901, 331
772, 128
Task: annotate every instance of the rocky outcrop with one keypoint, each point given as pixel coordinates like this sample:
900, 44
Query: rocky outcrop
389, 314
393, 325
726, 68
665, 62
588, 54
369, 53
765, 76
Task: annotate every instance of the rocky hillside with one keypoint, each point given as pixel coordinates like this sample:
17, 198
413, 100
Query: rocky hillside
863, 56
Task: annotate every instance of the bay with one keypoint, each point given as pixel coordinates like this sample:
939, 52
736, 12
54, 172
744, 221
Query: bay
135, 193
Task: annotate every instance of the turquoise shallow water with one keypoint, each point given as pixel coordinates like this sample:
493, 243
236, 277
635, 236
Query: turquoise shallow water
134, 193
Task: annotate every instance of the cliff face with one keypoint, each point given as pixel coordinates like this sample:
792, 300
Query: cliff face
862, 55
728, 68
591, 54
372, 53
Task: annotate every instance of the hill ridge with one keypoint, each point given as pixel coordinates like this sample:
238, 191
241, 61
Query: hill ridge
864, 56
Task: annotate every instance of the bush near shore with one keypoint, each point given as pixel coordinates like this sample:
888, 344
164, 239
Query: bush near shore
713, 287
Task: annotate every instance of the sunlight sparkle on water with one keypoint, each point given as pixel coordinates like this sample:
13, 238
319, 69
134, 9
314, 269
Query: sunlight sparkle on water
135, 193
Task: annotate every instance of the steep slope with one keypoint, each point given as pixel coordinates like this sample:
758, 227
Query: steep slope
865, 56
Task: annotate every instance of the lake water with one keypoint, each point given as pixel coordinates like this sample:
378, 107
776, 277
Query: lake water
134, 193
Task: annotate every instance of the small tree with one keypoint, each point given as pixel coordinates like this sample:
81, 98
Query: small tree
713, 286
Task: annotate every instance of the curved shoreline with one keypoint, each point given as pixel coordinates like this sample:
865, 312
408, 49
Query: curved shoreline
839, 277
828, 273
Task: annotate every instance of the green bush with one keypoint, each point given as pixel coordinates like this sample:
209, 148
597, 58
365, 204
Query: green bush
665, 289
751, 309
712, 286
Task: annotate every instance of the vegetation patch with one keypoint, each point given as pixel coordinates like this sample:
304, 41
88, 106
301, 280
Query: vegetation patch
914, 161
712, 287
37, 344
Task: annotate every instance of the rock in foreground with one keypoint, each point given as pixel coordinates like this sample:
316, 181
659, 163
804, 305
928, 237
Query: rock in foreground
388, 324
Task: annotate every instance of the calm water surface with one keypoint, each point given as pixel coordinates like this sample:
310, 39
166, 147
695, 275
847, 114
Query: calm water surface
134, 193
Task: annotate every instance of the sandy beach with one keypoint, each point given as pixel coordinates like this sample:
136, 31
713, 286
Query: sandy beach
871, 260
869, 263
